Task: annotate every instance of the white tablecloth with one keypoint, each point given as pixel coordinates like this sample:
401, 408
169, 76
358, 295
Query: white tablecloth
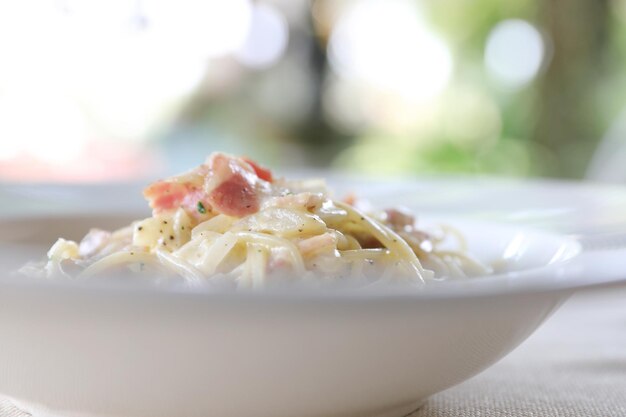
574, 366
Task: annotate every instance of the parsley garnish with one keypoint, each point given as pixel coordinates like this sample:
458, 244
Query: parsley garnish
201, 208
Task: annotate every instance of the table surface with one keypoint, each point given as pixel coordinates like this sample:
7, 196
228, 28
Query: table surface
573, 366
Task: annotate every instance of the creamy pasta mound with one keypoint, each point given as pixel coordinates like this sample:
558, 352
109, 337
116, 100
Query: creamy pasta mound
230, 220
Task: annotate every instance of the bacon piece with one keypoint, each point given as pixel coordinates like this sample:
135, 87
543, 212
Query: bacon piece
350, 199
316, 244
166, 196
261, 172
224, 184
231, 186
399, 219
235, 197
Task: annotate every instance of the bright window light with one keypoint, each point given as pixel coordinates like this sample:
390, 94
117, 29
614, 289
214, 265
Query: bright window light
388, 45
209, 27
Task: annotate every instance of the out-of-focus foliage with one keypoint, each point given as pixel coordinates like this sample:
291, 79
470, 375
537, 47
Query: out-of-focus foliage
477, 123
519, 88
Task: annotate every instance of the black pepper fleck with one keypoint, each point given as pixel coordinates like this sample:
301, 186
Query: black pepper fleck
140, 228
300, 230
171, 237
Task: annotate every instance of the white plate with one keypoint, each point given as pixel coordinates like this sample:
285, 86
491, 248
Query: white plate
72, 349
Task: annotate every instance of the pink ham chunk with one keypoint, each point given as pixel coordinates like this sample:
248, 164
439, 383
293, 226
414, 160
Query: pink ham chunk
232, 186
317, 244
226, 185
167, 196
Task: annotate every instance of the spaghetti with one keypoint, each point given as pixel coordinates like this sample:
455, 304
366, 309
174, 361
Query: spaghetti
230, 219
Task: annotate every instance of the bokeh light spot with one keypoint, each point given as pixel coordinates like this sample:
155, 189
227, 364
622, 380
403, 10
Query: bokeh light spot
514, 52
388, 45
267, 38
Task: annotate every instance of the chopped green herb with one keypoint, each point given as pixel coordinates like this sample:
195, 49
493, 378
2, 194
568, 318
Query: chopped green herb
201, 208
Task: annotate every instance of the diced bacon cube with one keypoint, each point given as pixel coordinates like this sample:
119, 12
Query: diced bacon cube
235, 197
225, 184
317, 244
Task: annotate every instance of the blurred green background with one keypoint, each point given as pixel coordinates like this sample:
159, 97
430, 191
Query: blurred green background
118, 90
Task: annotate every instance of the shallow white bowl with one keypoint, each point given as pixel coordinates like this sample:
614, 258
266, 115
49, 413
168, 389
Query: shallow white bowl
102, 349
